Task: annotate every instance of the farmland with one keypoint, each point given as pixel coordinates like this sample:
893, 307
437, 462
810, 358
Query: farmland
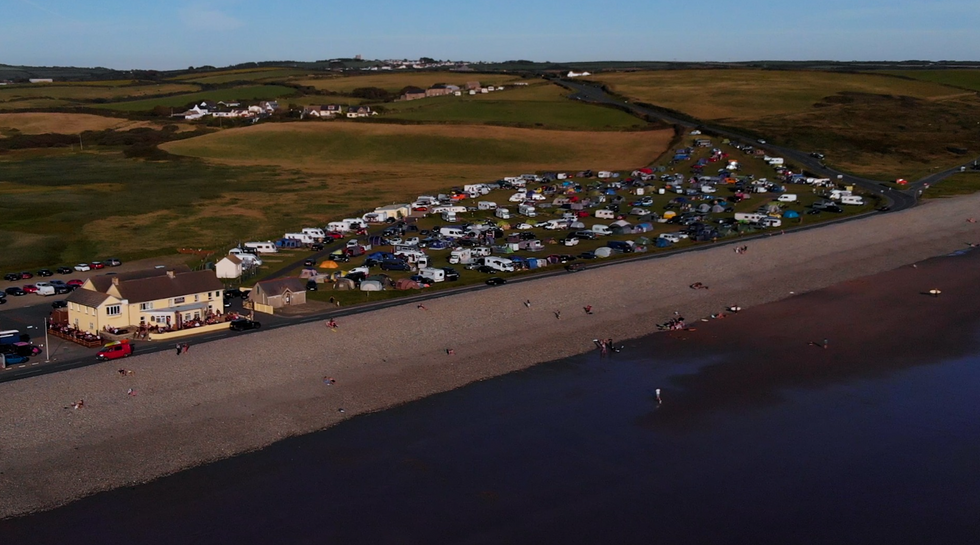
251, 92
967, 79
541, 105
63, 123
394, 82
871, 125
26, 96
257, 75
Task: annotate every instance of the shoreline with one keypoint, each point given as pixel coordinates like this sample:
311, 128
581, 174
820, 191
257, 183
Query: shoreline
237, 395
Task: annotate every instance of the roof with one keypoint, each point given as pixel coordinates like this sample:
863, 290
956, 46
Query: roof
232, 258
103, 282
87, 298
154, 284
279, 286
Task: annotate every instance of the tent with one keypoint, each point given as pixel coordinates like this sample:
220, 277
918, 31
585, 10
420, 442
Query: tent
643, 241
661, 242
603, 251
669, 214
406, 284
577, 225
704, 208
717, 209
343, 284
643, 228
329, 264
371, 285
792, 214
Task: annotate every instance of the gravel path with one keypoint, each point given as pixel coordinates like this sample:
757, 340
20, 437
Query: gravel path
235, 395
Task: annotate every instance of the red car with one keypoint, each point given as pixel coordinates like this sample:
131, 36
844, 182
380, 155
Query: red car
115, 350
30, 288
334, 235
97, 265
75, 282
26, 275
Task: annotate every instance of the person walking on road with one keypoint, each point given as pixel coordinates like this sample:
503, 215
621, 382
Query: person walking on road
179, 348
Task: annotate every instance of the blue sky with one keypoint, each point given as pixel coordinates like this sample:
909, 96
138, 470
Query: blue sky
177, 34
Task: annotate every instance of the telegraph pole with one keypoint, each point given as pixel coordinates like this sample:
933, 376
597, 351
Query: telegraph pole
47, 344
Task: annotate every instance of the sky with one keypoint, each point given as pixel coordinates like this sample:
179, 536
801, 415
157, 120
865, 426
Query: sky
180, 33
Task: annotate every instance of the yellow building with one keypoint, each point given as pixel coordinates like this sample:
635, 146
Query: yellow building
153, 297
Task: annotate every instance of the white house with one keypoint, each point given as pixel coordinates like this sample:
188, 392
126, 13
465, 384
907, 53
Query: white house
573, 74
229, 267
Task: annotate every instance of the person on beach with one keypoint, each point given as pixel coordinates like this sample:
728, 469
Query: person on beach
558, 315
126, 372
329, 381
131, 392
588, 309
527, 303
187, 347
78, 404
826, 343
422, 307
332, 324
659, 400
450, 352
179, 348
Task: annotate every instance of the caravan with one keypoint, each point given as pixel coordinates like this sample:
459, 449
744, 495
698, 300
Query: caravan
502, 213
605, 214
851, 199
267, 247
315, 232
527, 210
301, 237
461, 256
486, 205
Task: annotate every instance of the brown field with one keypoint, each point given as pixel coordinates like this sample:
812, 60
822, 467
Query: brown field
396, 81
15, 93
873, 125
358, 164
41, 123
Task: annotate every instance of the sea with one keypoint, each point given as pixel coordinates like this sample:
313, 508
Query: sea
581, 450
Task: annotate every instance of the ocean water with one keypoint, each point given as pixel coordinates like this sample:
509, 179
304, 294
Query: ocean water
579, 451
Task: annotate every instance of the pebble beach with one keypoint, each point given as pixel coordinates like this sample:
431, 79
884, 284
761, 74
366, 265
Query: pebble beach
240, 394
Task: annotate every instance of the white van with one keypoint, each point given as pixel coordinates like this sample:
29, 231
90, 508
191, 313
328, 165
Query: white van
527, 210
498, 263
486, 205
448, 216
451, 232
436, 275
502, 213
605, 214
601, 230
44, 288
267, 247
851, 199
461, 256
787, 197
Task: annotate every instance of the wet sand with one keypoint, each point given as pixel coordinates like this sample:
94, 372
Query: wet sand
236, 395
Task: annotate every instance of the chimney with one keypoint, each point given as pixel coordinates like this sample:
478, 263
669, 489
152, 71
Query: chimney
171, 273
115, 280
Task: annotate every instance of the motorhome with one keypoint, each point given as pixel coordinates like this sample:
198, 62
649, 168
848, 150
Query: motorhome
448, 216
267, 247
486, 205
527, 210
497, 263
436, 275
461, 256
502, 213
480, 251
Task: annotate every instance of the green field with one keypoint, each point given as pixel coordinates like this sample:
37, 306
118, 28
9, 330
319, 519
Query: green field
963, 183
543, 105
257, 76
11, 95
396, 81
872, 125
967, 79
253, 92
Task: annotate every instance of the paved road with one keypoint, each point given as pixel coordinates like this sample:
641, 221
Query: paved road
898, 199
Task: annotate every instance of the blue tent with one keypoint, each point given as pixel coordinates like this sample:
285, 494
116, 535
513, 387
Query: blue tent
791, 214
661, 242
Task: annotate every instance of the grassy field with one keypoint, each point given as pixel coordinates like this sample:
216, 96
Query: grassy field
34, 103
252, 92
41, 123
967, 79
963, 183
396, 81
258, 76
85, 92
872, 125
542, 105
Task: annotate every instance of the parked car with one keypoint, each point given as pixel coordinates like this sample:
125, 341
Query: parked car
45, 272
311, 285
496, 281
309, 262
60, 304
586, 255
63, 270
115, 350
243, 324
14, 359
26, 275
97, 265
235, 292
113, 262
586, 234
29, 288
575, 267
11, 277
75, 282
83, 267
451, 274
15, 291
395, 265
61, 289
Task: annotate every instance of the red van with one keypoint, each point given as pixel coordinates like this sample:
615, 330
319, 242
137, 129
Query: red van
115, 350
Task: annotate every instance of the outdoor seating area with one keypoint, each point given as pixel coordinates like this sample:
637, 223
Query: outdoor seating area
74, 335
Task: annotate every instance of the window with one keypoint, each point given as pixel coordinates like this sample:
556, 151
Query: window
146, 306
210, 296
197, 297
113, 310
178, 300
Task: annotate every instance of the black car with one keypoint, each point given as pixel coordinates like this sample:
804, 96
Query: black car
451, 274
59, 304
244, 324
14, 290
61, 290
45, 272
63, 270
590, 235
340, 258
495, 281
356, 276
316, 247
311, 285
235, 292
575, 267
11, 277
586, 255
486, 270
394, 265
309, 263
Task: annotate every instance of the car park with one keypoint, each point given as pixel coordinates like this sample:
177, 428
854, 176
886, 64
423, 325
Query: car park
243, 324
83, 267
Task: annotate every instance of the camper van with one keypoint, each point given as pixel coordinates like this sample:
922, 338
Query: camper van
480, 251
751, 218
787, 197
497, 263
601, 230
448, 216
486, 205
605, 214
851, 199
315, 232
502, 213
302, 237
450, 231
527, 210
267, 247
461, 256
436, 275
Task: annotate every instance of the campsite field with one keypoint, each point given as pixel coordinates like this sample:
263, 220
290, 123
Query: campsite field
539, 105
396, 81
873, 125
250, 92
